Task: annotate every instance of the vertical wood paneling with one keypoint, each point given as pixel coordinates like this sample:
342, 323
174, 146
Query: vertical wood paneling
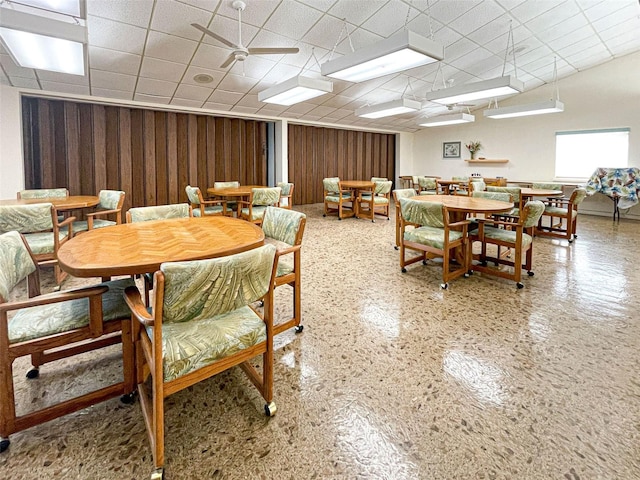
318, 152
151, 155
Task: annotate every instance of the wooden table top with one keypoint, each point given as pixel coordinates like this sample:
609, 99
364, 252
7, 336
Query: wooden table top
136, 248
539, 192
463, 203
61, 203
356, 183
241, 191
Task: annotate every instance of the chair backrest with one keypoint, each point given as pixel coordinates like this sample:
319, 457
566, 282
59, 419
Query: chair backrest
265, 196
16, 263
379, 179
44, 193
531, 213
478, 185
193, 194
547, 186
460, 179
516, 193
37, 217
226, 184
286, 187
284, 225
500, 196
331, 184
383, 188
111, 199
578, 196
422, 213
427, 183
158, 212
202, 289
403, 193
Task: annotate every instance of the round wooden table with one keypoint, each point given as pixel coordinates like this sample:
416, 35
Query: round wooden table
137, 248
241, 191
71, 202
356, 186
462, 205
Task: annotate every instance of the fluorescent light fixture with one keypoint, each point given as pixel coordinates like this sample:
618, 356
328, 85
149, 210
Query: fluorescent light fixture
550, 106
296, 89
75, 8
494, 87
387, 109
450, 119
399, 52
43, 43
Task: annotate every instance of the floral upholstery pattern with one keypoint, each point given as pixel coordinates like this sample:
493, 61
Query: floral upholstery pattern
205, 313
257, 213
499, 196
623, 183
428, 183
578, 196
43, 320
226, 184
281, 224
478, 185
504, 235
108, 200
45, 193
432, 236
532, 212
41, 243
515, 196
158, 212
193, 194
15, 263
265, 196
26, 218
404, 193
547, 186
332, 187
379, 179
422, 213
285, 187
381, 192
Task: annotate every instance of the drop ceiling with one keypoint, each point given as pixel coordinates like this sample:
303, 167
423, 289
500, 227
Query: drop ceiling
147, 51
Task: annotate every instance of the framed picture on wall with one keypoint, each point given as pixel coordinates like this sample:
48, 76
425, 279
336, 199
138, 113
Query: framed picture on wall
451, 150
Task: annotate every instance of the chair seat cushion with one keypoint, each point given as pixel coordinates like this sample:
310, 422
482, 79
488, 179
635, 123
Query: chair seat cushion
431, 236
508, 236
336, 198
558, 211
43, 320
212, 210
83, 225
428, 192
256, 212
41, 243
285, 262
189, 346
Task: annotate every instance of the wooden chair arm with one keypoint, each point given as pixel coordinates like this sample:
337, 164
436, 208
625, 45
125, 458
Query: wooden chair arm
55, 297
66, 222
138, 309
496, 222
102, 212
286, 251
214, 202
460, 223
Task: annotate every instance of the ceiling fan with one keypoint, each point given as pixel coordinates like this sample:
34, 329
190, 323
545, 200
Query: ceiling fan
240, 52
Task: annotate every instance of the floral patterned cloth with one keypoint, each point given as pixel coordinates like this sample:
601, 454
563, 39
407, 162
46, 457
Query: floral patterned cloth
159, 212
15, 263
45, 193
621, 183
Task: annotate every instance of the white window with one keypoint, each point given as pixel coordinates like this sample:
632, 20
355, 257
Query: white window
580, 153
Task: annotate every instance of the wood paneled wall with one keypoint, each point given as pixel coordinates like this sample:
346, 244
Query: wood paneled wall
151, 155
318, 152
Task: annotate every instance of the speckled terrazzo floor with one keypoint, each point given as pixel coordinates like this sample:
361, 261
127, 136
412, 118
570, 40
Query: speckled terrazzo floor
393, 378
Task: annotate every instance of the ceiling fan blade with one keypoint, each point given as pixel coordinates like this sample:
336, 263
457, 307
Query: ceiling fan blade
273, 50
206, 31
230, 59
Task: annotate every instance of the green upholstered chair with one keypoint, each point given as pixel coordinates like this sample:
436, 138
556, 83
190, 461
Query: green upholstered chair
463, 187
201, 324
379, 179
516, 196
52, 327
201, 207
45, 234
562, 215
337, 200
44, 193
428, 186
261, 198
286, 194
159, 212
231, 206
435, 235
397, 195
284, 229
477, 185
516, 236
375, 201
547, 186
110, 202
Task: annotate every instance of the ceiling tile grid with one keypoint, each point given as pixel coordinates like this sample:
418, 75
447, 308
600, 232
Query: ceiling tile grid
147, 50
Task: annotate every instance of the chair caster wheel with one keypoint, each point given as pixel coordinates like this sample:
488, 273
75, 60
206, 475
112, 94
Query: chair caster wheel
324, 214
520, 285
396, 247
467, 275
444, 286
470, 272
262, 303
339, 218
157, 474
424, 262
33, 373
129, 398
299, 329
4, 444
571, 241
530, 273
403, 270
484, 264
270, 409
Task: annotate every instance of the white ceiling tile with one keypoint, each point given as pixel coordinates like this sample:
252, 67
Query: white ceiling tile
616, 41
390, 18
169, 47
140, 97
603, 9
250, 100
25, 82
356, 11
510, 4
113, 81
578, 58
590, 61
225, 97
521, 36
576, 36
125, 11
447, 11
14, 70
209, 5
337, 101
156, 68
309, 117
627, 48
152, 86
292, 19
65, 88
300, 108
237, 83
359, 38
192, 92
252, 15
464, 46
217, 106
492, 30
184, 102
115, 35
114, 61
617, 17
325, 32
257, 66
56, 77
528, 10
322, 5
176, 18
476, 17
240, 109
322, 110
630, 28
108, 93
228, 29
554, 16
211, 57
280, 73
568, 25
585, 45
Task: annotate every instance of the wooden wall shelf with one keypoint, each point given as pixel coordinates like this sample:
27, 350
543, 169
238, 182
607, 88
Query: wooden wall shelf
485, 160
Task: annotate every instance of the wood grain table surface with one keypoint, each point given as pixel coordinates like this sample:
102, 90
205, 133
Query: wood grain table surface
71, 202
241, 191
